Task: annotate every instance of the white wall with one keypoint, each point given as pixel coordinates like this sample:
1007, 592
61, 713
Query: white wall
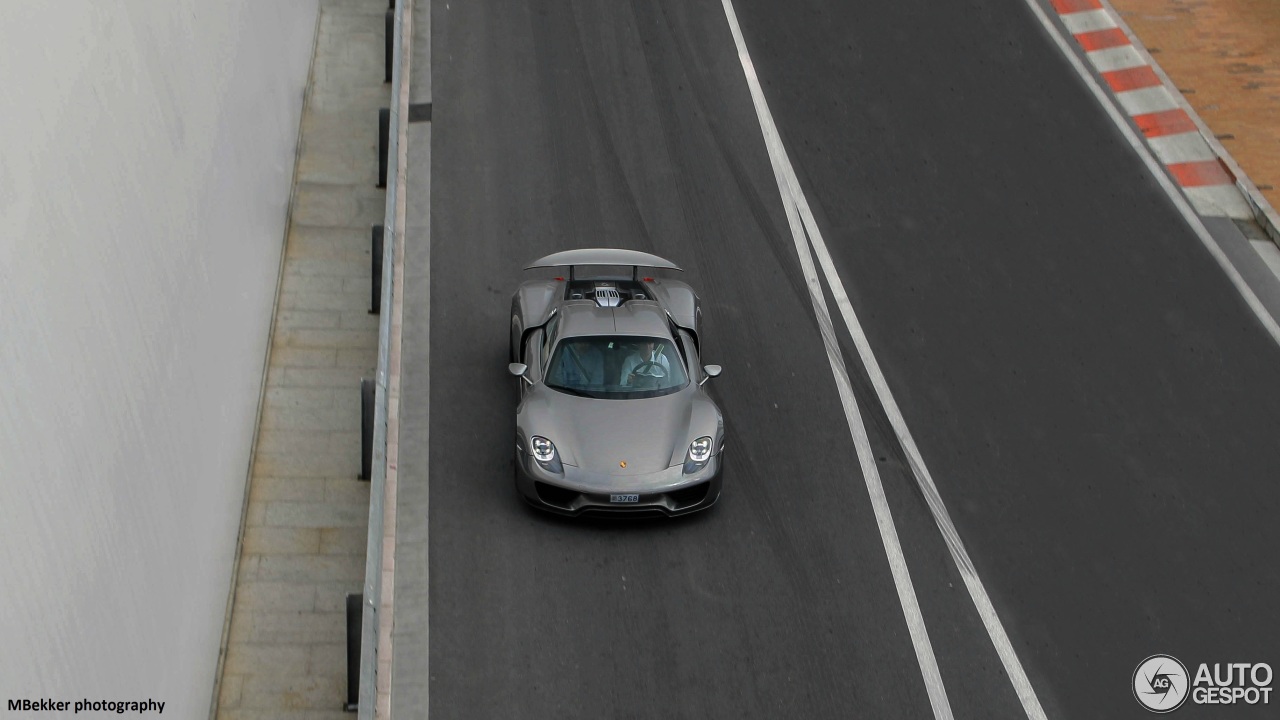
146, 156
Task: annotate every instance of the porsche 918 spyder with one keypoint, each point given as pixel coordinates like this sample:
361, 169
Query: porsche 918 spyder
613, 416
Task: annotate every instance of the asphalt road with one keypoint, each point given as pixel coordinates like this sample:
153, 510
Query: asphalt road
1096, 403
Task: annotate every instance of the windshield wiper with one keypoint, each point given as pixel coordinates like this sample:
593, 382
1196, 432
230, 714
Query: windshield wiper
573, 391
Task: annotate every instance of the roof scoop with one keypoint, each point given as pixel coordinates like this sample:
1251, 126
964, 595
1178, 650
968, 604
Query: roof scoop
607, 296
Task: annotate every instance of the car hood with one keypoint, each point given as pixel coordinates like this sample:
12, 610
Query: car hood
648, 434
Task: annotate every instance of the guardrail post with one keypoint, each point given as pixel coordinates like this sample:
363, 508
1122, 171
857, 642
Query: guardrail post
366, 428
390, 37
375, 301
355, 606
384, 130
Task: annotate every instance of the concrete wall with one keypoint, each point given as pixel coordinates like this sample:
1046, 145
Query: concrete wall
146, 156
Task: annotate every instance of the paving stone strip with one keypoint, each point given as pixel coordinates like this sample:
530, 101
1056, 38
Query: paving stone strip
306, 525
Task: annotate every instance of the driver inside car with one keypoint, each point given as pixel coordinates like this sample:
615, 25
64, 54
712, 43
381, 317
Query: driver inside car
646, 365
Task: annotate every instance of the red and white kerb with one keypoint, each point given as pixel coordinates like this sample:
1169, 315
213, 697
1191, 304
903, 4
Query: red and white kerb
1172, 134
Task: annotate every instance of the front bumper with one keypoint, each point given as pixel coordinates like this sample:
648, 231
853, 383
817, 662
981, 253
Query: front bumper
668, 492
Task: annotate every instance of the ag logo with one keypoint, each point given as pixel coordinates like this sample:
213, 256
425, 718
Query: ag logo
1160, 683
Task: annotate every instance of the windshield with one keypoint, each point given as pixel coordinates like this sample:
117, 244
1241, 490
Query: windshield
616, 367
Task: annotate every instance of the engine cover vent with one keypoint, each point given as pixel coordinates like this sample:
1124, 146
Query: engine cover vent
608, 296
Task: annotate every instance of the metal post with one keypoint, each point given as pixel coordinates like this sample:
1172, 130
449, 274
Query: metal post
366, 428
384, 130
390, 37
355, 605
375, 302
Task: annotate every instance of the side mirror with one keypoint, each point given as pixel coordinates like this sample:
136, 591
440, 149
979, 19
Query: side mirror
711, 371
519, 370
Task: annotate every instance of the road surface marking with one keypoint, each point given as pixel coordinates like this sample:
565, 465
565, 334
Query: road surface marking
884, 518
795, 202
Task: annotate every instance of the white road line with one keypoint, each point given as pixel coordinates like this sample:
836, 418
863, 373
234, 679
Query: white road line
795, 201
884, 518
1154, 167
977, 591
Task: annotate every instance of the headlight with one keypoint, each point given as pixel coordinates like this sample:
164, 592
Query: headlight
699, 453
700, 449
543, 449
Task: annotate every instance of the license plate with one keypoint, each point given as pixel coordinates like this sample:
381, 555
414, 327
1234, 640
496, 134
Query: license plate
624, 498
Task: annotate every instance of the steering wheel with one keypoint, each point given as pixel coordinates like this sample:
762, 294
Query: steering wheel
650, 368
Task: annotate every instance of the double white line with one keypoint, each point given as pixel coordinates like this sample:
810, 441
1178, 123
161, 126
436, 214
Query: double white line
802, 224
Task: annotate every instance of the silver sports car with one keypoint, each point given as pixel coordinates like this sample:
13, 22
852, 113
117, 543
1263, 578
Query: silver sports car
613, 417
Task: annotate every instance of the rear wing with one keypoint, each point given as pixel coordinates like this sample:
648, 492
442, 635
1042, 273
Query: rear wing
604, 256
